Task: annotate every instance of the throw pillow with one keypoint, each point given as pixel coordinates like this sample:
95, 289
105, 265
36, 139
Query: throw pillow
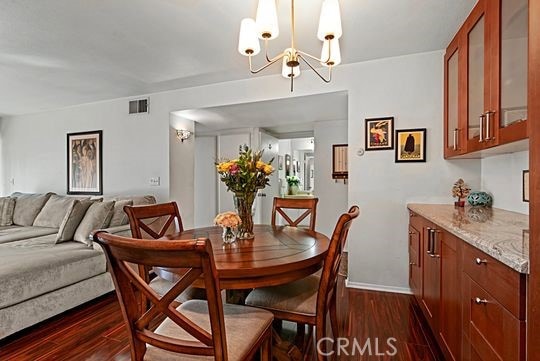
27, 207
72, 220
7, 206
97, 216
54, 211
120, 217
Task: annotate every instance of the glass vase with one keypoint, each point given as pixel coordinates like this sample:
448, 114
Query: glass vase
228, 235
244, 205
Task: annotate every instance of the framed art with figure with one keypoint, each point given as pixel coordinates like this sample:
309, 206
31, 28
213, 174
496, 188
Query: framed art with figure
411, 145
84, 163
379, 133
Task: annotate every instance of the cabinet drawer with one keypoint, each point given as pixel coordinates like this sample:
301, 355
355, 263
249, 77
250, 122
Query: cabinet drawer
493, 332
505, 284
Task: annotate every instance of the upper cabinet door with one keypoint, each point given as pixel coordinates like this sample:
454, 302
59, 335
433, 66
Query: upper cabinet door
510, 91
476, 31
454, 142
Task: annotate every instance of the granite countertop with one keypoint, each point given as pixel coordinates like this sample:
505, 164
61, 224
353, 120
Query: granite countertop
502, 234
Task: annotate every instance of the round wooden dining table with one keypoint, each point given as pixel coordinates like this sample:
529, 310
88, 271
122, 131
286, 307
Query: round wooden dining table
276, 255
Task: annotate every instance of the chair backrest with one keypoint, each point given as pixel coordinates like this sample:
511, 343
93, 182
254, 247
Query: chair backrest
329, 276
154, 220
309, 204
195, 255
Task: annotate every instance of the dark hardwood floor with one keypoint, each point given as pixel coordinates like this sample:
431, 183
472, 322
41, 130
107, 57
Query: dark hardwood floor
95, 332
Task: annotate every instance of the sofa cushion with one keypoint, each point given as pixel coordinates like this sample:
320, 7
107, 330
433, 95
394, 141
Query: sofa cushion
54, 211
72, 219
27, 207
137, 200
16, 233
7, 206
32, 267
120, 217
98, 216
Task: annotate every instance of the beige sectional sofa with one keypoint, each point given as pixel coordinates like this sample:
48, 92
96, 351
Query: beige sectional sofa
47, 261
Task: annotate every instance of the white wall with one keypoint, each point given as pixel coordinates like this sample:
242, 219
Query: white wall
332, 195
502, 177
205, 181
136, 148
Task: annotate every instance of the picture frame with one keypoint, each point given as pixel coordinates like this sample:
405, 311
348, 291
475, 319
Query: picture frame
281, 160
287, 165
379, 133
85, 163
525, 182
411, 145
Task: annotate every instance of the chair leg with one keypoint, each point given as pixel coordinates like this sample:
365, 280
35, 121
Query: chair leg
299, 339
266, 348
307, 351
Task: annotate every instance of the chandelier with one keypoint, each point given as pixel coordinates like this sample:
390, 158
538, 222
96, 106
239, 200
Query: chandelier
265, 27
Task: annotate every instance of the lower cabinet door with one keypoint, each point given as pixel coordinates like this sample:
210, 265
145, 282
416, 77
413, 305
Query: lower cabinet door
415, 264
431, 294
493, 332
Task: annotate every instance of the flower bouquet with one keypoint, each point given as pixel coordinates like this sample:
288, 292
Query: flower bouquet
244, 176
229, 221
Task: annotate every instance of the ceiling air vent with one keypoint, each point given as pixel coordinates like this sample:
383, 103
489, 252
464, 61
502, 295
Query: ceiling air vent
138, 106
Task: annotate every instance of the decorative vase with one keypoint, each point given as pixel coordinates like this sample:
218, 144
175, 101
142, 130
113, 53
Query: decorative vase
228, 235
244, 205
293, 189
480, 199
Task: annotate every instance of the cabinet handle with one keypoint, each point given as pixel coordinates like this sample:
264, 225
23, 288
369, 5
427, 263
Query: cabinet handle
430, 239
433, 243
456, 139
411, 214
488, 125
479, 261
482, 117
412, 264
480, 301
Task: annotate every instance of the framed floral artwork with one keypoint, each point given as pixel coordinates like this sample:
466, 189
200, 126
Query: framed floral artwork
379, 133
411, 145
84, 163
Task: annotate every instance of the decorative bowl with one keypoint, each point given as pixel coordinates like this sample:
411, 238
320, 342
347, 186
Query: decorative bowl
480, 199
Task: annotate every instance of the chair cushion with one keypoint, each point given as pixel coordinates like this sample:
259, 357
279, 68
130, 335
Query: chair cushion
54, 211
120, 217
36, 266
27, 207
97, 216
296, 297
243, 327
7, 206
17, 233
72, 219
162, 286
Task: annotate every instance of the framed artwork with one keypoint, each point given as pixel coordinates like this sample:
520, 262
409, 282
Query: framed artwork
84, 163
281, 160
379, 133
287, 165
525, 186
411, 145
340, 162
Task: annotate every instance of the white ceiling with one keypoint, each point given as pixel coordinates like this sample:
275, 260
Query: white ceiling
290, 115
58, 53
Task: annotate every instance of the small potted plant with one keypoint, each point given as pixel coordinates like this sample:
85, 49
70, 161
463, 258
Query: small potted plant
460, 190
293, 183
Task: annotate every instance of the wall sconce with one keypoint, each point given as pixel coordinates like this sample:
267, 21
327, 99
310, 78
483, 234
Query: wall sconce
183, 134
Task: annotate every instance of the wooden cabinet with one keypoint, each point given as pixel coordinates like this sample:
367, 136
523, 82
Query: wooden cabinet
485, 86
474, 304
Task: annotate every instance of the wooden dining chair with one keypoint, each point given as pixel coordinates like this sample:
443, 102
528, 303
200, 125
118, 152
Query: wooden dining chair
153, 222
281, 205
309, 300
195, 330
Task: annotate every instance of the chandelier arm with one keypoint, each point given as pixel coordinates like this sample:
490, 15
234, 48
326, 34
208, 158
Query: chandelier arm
318, 59
309, 56
268, 59
273, 61
315, 70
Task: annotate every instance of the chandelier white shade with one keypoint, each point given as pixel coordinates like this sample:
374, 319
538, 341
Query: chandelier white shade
248, 43
267, 20
266, 28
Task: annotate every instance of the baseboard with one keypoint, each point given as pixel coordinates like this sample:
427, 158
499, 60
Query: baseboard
374, 287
